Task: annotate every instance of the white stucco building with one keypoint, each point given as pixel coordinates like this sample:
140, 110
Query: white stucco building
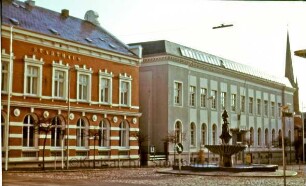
184, 92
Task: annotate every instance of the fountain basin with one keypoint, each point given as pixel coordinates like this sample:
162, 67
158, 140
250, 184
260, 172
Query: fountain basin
225, 151
236, 168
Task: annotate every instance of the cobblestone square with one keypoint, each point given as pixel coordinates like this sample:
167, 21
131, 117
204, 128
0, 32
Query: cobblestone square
139, 176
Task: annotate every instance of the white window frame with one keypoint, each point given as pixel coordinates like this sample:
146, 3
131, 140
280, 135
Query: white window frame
203, 97
214, 95
85, 72
272, 109
104, 137
57, 130
192, 95
223, 100
125, 79
242, 103
193, 134
5, 60
65, 69
178, 101
266, 108
251, 105
178, 128
109, 77
203, 134
258, 106
234, 102
33, 62
82, 141
124, 134
29, 127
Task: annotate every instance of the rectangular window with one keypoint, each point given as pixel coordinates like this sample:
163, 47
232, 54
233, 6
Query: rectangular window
214, 99
4, 76
177, 93
266, 108
223, 100
203, 97
32, 80
59, 84
83, 87
258, 107
250, 105
105, 90
279, 110
233, 102
272, 109
242, 103
124, 93
192, 95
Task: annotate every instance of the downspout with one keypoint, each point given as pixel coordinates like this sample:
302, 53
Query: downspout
8, 100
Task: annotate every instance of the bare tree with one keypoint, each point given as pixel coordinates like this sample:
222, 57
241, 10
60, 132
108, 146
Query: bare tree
141, 138
174, 138
44, 126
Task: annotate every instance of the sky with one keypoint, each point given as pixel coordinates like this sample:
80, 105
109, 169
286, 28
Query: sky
258, 37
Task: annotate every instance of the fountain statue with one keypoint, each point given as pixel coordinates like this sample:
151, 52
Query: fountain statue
225, 150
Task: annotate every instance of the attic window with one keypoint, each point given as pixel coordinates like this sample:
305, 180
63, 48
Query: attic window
14, 21
113, 46
15, 4
54, 31
222, 63
22, 6
88, 39
102, 39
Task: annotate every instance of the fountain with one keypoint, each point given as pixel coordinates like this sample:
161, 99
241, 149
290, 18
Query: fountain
225, 150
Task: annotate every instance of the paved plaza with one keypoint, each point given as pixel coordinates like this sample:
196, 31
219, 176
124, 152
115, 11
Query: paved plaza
145, 176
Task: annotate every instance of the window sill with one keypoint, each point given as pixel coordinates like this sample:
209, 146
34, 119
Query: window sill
81, 149
30, 149
103, 148
123, 148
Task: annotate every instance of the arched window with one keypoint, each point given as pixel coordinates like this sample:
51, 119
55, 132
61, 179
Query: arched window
273, 137
178, 132
56, 136
203, 134
104, 133
214, 134
280, 137
251, 136
289, 137
192, 134
259, 137
266, 137
2, 130
81, 133
124, 134
28, 131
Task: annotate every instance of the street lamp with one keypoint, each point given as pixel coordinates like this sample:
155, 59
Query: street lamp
210, 99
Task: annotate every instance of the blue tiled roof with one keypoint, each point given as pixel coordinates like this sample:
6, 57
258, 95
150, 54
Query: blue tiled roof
47, 22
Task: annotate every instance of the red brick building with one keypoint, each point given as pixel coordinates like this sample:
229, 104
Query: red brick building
71, 82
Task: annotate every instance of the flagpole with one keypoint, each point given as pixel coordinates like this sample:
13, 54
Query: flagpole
9, 90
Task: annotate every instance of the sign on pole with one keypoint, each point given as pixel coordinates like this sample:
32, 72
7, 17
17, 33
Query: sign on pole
179, 148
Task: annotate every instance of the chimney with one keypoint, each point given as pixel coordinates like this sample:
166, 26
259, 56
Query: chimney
65, 13
30, 2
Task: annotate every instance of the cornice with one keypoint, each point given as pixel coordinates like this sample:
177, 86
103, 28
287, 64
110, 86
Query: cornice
68, 46
191, 63
72, 108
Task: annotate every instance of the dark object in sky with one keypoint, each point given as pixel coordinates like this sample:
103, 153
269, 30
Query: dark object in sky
222, 26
